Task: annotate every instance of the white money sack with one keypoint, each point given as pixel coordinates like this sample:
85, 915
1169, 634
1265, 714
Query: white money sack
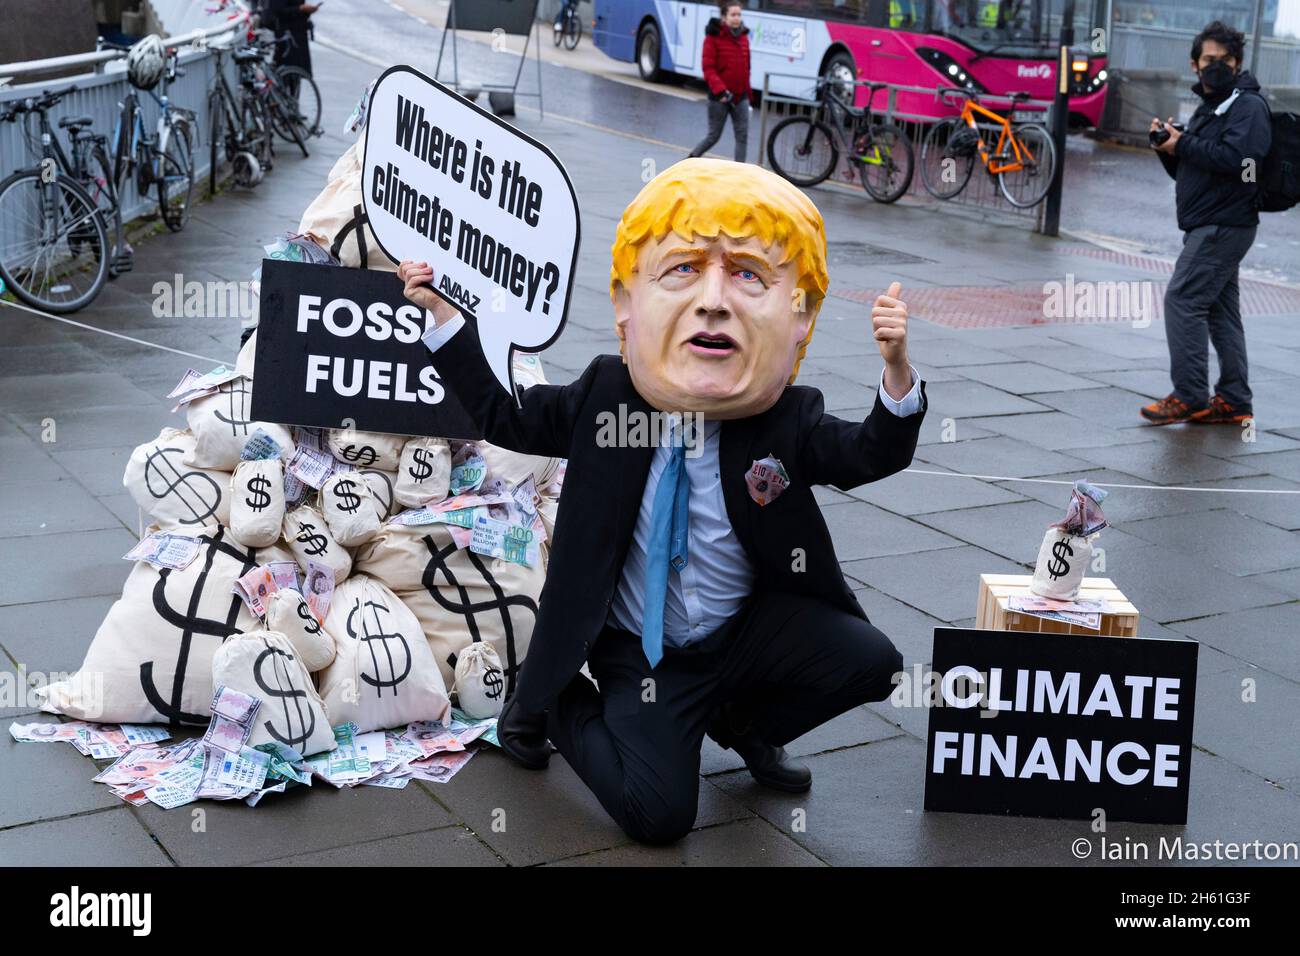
289, 613
222, 424
480, 682
257, 502
424, 473
180, 497
337, 219
513, 467
263, 664
349, 508
1062, 560
384, 486
308, 536
151, 659
366, 449
458, 596
384, 674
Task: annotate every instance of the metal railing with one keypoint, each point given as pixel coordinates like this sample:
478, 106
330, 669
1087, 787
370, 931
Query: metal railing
99, 94
982, 190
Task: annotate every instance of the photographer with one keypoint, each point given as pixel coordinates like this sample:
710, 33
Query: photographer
726, 69
1214, 164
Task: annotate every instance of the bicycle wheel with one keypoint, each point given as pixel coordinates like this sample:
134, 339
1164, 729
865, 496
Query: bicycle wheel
572, 32
302, 91
175, 181
99, 172
885, 165
39, 260
284, 119
1028, 186
557, 32
802, 151
944, 173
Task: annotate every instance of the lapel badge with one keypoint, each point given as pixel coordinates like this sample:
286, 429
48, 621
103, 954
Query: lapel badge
766, 479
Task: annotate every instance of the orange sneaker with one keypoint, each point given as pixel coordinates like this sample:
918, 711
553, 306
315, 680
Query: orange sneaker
1170, 410
1220, 412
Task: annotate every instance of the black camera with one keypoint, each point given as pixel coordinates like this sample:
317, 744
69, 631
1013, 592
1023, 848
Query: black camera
1158, 136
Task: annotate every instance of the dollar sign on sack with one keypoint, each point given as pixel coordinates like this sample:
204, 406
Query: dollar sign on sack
309, 622
372, 635
363, 456
314, 543
260, 486
348, 499
500, 603
286, 691
422, 469
237, 402
196, 491
492, 683
190, 624
1058, 565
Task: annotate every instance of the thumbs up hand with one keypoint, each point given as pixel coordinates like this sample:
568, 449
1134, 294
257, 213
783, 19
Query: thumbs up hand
889, 328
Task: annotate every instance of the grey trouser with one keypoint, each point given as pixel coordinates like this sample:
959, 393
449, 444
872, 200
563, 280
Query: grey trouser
718, 110
1202, 305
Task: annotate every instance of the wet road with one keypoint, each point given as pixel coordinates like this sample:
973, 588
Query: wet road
1115, 195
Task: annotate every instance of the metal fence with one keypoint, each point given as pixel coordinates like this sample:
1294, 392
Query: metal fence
1277, 61
981, 192
99, 94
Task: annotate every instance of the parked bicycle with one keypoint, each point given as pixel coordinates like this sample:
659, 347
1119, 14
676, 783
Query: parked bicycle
239, 130
806, 149
1022, 158
55, 252
567, 28
290, 95
161, 161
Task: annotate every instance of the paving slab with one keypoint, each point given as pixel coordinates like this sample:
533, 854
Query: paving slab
860, 530
1157, 462
15, 685
966, 399
943, 584
46, 781
1156, 580
56, 391
1055, 430
103, 426
912, 494
1000, 456
742, 843
1251, 718
1022, 378
107, 838
1264, 636
1228, 540
50, 507
24, 460
548, 815
449, 846
51, 637
49, 567
302, 820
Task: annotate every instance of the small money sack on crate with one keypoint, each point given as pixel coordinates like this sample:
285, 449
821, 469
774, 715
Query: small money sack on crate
1067, 545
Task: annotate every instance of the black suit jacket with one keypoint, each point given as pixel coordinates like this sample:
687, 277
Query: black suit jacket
603, 489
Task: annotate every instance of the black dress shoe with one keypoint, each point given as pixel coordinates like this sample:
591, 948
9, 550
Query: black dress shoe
523, 737
770, 766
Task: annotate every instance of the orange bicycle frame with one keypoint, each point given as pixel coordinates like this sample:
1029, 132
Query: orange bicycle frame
994, 165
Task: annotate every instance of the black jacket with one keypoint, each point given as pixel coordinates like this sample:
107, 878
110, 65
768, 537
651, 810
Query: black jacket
1207, 165
603, 488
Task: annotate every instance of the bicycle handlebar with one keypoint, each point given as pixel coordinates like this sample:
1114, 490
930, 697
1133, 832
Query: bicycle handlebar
38, 104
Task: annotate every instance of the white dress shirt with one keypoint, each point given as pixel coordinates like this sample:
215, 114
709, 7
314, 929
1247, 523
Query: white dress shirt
718, 575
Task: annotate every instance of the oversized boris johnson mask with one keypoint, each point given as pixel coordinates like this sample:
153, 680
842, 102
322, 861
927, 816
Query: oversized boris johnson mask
719, 270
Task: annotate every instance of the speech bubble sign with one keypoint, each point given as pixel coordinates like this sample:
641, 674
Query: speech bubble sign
489, 207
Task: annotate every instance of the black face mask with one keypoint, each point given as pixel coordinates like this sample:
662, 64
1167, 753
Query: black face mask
1216, 77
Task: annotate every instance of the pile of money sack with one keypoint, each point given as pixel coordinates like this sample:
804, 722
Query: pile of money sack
421, 611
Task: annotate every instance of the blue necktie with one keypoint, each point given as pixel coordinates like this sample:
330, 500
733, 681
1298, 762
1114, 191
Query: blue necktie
668, 542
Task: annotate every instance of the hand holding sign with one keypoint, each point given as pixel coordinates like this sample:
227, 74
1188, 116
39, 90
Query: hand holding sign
450, 184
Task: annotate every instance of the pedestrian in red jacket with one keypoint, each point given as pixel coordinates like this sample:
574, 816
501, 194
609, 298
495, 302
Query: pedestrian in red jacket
726, 70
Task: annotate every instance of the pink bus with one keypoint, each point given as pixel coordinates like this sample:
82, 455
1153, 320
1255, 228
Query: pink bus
991, 47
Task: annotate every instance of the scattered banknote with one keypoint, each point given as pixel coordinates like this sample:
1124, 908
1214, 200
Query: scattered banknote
177, 784
494, 538
260, 447
468, 469
195, 384
440, 767
164, 550
1084, 613
256, 588
285, 575
100, 741
319, 588
311, 466
245, 770
232, 719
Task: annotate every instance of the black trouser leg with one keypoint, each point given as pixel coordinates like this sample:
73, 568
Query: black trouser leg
800, 662
636, 741
717, 119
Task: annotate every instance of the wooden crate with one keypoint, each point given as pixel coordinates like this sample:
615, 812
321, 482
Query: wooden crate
992, 611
